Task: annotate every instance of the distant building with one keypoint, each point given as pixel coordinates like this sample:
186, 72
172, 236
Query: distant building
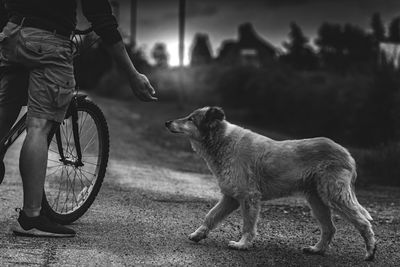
200, 50
389, 54
250, 49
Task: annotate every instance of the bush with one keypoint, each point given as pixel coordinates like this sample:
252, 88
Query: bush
379, 166
300, 104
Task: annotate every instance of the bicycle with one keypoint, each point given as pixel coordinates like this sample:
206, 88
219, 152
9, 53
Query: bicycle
77, 156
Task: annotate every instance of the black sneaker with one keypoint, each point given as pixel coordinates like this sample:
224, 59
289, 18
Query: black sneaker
40, 226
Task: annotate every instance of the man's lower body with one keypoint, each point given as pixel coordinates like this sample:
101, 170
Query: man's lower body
35, 68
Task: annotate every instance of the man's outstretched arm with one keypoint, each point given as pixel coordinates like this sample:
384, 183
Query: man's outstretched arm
140, 85
99, 13
3, 15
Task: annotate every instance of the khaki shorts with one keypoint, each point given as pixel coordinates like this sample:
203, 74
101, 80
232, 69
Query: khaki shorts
36, 69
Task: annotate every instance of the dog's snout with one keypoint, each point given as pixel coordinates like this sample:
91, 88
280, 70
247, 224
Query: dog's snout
168, 123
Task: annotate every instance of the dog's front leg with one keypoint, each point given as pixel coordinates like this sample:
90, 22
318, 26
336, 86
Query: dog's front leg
219, 212
250, 208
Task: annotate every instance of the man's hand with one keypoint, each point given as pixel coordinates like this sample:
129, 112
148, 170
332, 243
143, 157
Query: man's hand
139, 83
142, 88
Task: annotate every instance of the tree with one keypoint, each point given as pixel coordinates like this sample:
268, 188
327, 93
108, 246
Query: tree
330, 45
160, 55
358, 46
394, 30
201, 50
300, 54
345, 47
378, 29
138, 56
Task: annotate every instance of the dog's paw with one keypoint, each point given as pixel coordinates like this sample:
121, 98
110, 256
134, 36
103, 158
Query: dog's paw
239, 245
370, 256
196, 237
313, 251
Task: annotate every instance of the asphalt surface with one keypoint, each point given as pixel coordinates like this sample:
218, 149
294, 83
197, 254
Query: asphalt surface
157, 191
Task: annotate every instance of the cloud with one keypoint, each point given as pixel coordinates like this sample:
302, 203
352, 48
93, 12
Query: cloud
147, 22
194, 10
291, 3
281, 3
200, 9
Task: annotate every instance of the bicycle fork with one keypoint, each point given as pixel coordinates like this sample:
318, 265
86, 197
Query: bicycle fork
75, 132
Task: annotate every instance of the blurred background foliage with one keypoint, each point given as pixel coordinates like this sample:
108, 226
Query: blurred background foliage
342, 85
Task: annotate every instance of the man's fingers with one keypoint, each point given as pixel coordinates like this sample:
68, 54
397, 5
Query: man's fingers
153, 99
151, 90
145, 96
144, 90
149, 97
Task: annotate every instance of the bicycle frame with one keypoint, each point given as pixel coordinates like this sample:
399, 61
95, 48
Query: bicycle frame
12, 135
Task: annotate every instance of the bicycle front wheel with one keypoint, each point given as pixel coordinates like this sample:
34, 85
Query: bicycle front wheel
72, 184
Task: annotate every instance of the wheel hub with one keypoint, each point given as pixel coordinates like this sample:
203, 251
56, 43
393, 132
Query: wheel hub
72, 162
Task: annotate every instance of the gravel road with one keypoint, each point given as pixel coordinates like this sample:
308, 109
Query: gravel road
157, 191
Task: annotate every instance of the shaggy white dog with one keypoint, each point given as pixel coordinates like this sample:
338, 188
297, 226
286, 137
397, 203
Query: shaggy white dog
250, 168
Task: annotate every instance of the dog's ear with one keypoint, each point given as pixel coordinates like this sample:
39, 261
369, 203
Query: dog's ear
215, 113
212, 117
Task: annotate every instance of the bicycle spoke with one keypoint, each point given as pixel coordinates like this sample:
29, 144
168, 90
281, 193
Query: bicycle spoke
55, 166
59, 189
67, 145
68, 138
91, 127
87, 114
88, 172
56, 152
73, 191
71, 136
90, 142
53, 172
89, 180
52, 160
95, 164
66, 200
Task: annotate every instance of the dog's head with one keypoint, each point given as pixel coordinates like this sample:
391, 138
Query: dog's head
197, 124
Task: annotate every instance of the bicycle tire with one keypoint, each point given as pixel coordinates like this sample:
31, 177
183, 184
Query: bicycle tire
88, 193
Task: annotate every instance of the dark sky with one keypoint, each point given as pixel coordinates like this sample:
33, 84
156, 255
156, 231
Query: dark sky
158, 19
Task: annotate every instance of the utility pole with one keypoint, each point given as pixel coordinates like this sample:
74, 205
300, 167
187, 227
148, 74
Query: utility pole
133, 22
182, 15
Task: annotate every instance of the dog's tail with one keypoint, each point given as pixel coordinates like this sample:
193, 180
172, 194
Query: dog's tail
364, 212
354, 200
341, 195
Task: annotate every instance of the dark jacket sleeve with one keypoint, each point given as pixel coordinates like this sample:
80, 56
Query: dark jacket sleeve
99, 13
3, 15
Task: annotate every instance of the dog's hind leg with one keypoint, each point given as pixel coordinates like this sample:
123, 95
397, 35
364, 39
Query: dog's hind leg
250, 208
219, 212
355, 213
343, 200
323, 215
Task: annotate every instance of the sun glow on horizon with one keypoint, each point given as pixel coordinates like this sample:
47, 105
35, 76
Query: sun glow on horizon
173, 51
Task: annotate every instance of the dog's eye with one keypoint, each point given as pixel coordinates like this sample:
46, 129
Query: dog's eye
190, 119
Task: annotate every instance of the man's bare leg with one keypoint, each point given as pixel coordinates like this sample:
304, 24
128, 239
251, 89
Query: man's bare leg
33, 164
